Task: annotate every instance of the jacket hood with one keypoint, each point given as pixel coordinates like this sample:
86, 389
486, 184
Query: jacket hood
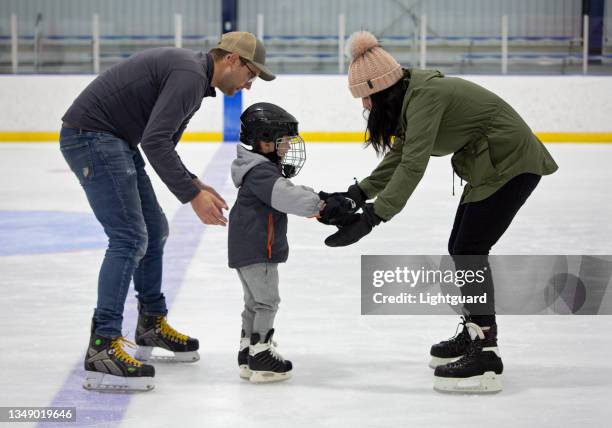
419, 77
244, 162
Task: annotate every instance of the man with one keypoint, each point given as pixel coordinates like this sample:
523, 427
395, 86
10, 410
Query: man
148, 99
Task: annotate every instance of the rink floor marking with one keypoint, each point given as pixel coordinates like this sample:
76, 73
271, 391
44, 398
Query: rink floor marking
95, 408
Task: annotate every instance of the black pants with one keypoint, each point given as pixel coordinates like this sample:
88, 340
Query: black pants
478, 226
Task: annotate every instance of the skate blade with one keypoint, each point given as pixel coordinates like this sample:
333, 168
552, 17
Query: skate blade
145, 353
263, 377
436, 361
104, 382
245, 372
486, 383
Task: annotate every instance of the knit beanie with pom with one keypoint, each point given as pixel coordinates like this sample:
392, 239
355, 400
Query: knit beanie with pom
372, 69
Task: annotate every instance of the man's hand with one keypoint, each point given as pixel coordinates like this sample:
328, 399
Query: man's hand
209, 189
208, 205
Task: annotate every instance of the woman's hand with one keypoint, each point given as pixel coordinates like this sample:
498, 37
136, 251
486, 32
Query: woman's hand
338, 210
353, 193
353, 232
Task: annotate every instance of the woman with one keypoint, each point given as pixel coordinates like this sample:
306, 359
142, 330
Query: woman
415, 114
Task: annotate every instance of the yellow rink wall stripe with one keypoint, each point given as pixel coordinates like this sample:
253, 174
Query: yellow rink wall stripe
547, 137
51, 137
573, 137
309, 136
202, 137
27, 136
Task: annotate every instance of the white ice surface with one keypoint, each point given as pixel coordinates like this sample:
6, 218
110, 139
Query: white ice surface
350, 370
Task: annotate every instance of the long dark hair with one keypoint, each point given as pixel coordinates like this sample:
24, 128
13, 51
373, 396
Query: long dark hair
384, 117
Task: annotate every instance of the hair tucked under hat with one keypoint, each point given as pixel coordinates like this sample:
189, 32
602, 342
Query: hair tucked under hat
372, 69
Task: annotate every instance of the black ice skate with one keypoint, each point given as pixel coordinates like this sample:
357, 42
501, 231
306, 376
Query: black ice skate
451, 349
479, 370
243, 356
154, 331
109, 368
265, 363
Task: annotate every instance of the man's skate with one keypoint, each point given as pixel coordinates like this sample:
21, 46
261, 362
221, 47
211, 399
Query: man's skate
154, 331
243, 356
109, 368
452, 349
479, 370
265, 363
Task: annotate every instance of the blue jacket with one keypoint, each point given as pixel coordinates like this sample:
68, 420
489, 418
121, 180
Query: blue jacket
258, 219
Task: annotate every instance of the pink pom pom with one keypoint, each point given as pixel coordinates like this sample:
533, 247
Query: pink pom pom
360, 42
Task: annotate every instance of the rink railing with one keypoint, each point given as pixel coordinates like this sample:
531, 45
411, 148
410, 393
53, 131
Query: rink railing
422, 40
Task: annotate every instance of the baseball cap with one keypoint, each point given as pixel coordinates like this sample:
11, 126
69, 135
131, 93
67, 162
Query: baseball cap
249, 48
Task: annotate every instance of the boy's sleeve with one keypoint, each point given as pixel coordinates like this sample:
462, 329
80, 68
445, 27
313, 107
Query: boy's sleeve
292, 199
281, 194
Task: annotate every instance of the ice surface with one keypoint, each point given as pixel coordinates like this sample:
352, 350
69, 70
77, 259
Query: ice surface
350, 370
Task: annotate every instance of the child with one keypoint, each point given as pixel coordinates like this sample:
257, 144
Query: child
257, 238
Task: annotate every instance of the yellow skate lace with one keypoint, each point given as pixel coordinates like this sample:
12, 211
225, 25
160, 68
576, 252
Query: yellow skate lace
171, 333
117, 346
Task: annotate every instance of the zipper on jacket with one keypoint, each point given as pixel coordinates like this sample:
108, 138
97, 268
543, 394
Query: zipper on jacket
270, 234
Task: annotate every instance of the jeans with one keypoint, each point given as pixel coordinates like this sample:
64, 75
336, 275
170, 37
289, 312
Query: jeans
122, 198
477, 227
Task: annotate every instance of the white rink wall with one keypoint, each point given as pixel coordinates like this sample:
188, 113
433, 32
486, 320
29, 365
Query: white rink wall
38, 102
323, 102
547, 103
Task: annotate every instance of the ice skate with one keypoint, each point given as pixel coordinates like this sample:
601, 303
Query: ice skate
452, 349
265, 363
243, 356
154, 331
479, 370
109, 368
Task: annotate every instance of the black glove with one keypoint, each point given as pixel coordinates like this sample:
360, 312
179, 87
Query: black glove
354, 193
354, 232
339, 210
341, 221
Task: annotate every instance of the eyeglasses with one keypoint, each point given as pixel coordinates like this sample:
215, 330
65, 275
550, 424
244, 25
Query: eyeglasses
253, 74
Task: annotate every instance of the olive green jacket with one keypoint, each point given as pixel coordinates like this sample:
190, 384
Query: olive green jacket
442, 115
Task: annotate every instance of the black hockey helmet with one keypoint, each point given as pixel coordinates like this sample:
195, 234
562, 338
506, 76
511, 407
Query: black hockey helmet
266, 122
270, 123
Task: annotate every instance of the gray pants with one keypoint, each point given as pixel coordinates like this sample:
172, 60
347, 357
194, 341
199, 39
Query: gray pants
261, 299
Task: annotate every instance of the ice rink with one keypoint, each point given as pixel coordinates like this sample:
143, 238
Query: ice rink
349, 370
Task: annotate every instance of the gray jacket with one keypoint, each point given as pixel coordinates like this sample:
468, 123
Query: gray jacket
258, 219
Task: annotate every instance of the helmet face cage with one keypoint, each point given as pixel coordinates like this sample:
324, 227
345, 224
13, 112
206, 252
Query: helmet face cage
292, 153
